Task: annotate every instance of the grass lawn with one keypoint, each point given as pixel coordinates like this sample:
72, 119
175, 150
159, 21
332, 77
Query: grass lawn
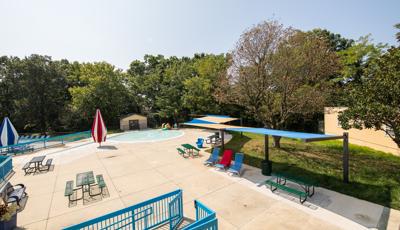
374, 175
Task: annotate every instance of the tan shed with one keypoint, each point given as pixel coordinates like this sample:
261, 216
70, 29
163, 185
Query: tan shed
133, 122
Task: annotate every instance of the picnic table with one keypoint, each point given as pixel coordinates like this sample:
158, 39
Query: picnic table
85, 179
190, 149
37, 161
307, 184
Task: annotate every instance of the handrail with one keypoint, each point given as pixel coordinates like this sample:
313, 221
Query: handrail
151, 214
5, 167
43, 142
158, 216
204, 218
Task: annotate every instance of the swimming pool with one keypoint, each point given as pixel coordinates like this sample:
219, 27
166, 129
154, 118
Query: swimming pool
151, 135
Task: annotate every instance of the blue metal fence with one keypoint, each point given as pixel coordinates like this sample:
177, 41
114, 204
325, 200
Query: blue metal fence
165, 210
27, 145
5, 167
205, 218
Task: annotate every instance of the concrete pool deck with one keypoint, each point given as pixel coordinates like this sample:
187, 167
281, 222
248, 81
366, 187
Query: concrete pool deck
135, 172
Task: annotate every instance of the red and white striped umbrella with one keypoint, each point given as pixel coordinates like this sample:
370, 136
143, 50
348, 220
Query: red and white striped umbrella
99, 131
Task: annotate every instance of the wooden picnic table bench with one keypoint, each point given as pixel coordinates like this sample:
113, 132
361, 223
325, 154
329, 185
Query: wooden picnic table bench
306, 184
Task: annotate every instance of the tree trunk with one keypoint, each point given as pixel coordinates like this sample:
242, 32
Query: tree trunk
277, 142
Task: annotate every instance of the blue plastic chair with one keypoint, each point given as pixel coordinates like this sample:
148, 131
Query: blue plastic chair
200, 142
237, 166
213, 157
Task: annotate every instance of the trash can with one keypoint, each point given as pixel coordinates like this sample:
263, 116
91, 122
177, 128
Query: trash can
266, 167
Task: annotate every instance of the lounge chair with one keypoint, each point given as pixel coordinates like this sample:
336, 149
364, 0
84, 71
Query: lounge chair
15, 193
213, 157
237, 166
226, 159
200, 142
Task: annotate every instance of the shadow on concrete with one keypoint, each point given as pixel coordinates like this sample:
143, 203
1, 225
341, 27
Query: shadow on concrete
108, 147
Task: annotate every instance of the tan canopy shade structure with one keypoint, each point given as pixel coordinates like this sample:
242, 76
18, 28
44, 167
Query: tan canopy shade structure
213, 122
214, 126
220, 119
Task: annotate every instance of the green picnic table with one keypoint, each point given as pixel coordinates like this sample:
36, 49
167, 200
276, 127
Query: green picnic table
307, 184
84, 180
190, 149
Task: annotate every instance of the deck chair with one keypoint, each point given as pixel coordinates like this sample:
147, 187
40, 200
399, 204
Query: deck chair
237, 166
226, 159
200, 142
213, 157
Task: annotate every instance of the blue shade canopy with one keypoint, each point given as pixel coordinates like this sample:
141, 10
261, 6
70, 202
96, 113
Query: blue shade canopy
199, 121
8, 134
283, 133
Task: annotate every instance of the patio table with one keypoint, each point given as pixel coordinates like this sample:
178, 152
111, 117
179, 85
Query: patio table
188, 148
37, 161
85, 179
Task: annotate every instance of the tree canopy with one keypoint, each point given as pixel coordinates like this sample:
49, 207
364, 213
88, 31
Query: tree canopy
375, 103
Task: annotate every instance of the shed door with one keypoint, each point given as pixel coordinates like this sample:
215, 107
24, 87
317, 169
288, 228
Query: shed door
134, 125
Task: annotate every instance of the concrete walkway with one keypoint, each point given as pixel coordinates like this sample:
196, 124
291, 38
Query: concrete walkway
135, 172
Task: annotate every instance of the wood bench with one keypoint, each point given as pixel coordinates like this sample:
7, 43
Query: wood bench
274, 186
307, 185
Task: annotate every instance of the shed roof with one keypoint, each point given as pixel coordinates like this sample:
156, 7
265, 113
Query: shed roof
131, 114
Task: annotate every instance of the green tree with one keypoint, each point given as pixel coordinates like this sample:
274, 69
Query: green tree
200, 90
336, 41
102, 87
45, 93
375, 102
278, 72
397, 26
10, 92
355, 60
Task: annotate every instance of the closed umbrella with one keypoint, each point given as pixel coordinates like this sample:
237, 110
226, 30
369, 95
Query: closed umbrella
8, 134
99, 131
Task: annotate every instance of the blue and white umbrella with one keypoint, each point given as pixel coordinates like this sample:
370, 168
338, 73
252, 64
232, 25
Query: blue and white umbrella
8, 134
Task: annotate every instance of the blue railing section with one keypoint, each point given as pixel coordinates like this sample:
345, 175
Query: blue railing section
27, 145
205, 218
162, 211
5, 167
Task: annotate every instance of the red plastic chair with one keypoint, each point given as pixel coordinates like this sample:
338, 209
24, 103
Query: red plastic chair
226, 159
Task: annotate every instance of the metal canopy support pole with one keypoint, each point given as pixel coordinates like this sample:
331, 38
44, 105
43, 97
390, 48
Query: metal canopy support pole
266, 164
346, 157
222, 140
266, 149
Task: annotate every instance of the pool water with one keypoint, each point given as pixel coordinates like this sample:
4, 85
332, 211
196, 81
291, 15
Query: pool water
147, 135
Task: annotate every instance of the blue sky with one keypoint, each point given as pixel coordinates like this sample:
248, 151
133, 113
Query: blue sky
120, 31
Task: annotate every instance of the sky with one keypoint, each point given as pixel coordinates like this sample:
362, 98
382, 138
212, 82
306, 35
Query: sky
121, 31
